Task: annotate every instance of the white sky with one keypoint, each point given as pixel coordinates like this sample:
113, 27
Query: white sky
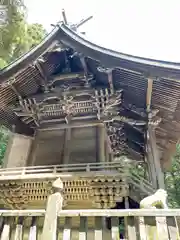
147, 28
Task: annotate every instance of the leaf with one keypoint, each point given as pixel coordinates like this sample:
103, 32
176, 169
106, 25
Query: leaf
17, 37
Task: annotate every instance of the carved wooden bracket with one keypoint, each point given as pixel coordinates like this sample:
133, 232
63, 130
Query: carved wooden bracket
102, 192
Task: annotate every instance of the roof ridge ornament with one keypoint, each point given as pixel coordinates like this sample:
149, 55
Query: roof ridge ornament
75, 26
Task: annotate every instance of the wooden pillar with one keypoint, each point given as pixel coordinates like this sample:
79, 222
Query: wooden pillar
67, 146
101, 144
155, 154
54, 205
33, 150
151, 167
152, 151
107, 156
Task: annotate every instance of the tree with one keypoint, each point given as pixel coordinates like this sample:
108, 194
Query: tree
172, 181
17, 36
4, 136
14, 27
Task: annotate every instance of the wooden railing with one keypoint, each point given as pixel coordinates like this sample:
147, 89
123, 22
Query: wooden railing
141, 183
64, 168
92, 224
53, 171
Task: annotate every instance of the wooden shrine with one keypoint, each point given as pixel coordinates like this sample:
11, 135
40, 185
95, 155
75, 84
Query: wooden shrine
87, 115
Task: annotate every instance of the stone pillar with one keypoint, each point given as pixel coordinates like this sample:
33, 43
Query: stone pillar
17, 151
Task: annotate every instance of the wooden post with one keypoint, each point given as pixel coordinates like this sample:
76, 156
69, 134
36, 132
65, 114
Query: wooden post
152, 151
101, 144
155, 154
67, 140
33, 150
54, 205
33, 229
126, 203
151, 167
5, 234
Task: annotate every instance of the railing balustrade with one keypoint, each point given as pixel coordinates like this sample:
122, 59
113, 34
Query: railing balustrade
95, 224
85, 168
79, 167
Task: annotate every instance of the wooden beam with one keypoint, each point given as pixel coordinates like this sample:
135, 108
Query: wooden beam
67, 146
11, 84
84, 65
33, 150
110, 80
151, 167
66, 77
43, 79
73, 125
150, 158
64, 17
101, 144
155, 171
149, 94
155, 154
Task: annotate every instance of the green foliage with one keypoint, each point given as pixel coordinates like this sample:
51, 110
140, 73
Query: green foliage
172, 180
4, 136
2, 63
17, 36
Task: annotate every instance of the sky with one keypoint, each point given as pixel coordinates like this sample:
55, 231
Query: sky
145, 28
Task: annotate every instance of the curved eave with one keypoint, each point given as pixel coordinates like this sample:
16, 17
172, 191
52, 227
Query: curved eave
29, 57
111, 58
107, 57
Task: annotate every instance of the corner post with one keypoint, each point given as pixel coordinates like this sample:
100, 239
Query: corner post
54, 205
152, 151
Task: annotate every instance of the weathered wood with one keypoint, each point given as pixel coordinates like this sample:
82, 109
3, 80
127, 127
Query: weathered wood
101, 138
1, 224
142, 229
67, 146
131, 228
83, 228
96, 212
98, 233
149, 94
120, 213
33, 229
5, 235
115, 228
173, 229
54, 205
67, 229
155, 153
125, 218
150, 225
73, 125
162, 229
151, 167
19, 229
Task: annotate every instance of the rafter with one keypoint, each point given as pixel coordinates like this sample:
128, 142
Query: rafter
11, 84
149, 94
43, 79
